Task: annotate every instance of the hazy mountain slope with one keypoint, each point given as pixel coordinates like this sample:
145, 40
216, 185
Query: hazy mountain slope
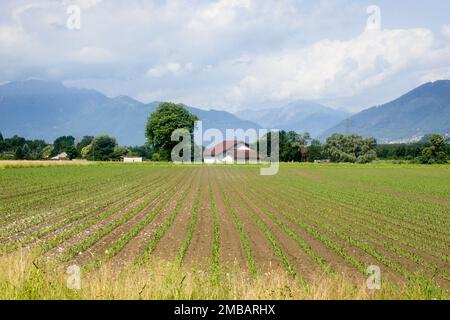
46, 110
421, 111
300, 116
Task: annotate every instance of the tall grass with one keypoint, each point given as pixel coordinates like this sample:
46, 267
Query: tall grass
25, 276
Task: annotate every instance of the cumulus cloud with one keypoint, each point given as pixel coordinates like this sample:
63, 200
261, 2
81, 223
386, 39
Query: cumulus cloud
327, 67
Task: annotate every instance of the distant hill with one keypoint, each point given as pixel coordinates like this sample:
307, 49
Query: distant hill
46, 110
300, 116
421, 111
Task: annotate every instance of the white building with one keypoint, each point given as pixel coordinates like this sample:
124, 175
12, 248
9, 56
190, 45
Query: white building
229, 152
132, 159
61, 157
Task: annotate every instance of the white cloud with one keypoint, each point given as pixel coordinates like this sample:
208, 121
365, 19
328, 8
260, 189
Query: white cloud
11, 36
437, 74
338, 68
224, 12
93, 55
84, 4
446, 30
171, 68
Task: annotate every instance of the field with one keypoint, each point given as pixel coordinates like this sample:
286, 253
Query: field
166, 231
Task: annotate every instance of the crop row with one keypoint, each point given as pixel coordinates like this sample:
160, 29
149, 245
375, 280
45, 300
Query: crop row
151, 246
251, 263
136, 229
366, 219
51, 243
324, 223
78, 216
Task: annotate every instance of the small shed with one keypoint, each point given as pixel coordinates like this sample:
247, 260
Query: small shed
128, 159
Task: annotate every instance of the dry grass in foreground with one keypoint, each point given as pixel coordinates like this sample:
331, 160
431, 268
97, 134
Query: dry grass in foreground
23, 276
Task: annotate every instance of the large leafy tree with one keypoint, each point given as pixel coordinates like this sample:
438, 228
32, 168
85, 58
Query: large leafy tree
63, 144
167, 118
145, 151
18, 155
15, 142
47, 152
292, 146
351, 148
1, 137
102, 148
23, 153
87, 140
315, 151
436, 152
300, 141
26, 151
120, 152
72, 152
86, 152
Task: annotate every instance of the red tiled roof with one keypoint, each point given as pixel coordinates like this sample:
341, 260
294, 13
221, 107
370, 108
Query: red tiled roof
246, 154
228, 147
220, 148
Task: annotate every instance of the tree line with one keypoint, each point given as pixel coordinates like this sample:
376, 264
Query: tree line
168, 117
293, 146
101, 148
431, 149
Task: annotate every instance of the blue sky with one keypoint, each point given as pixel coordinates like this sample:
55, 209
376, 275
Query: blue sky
230, 54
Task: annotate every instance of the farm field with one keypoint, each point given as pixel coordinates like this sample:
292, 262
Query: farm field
310, 231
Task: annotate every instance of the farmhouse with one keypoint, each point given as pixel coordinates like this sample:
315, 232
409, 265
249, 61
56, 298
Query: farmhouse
229, 152
131, 159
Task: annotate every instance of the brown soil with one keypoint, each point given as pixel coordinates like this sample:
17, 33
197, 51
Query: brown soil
78, 238
231, 251
261, 247
199, 251
136, 246
171, 242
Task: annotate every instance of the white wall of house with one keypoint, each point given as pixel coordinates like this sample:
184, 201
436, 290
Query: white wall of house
242, 146
132, 159
228, 157
219, 159
209, 160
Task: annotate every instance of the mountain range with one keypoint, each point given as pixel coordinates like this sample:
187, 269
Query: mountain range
46, 110
422, 111
300, 116
38, 109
